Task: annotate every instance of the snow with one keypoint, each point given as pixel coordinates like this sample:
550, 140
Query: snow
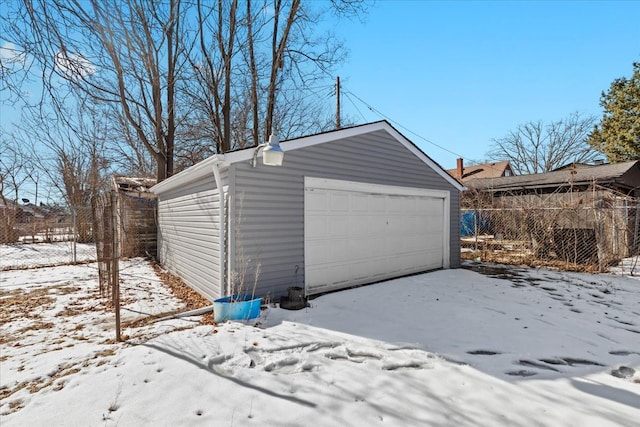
483, 345
41, 254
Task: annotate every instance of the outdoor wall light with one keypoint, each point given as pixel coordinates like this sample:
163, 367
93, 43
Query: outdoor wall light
272, 154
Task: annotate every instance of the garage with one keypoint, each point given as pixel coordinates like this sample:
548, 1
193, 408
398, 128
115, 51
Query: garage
358, 233
346, 207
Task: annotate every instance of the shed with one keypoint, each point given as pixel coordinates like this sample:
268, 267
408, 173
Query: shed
347, 207
136, 215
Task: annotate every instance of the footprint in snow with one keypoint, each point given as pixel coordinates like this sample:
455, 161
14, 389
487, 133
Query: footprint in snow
218, 360
285, 365
393, 366
521, 373
623, 352
534, 364
321, 345
483, 352
363, 354
623, 322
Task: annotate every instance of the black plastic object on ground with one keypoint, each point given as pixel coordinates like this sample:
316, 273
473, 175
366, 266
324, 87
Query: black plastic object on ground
295, 300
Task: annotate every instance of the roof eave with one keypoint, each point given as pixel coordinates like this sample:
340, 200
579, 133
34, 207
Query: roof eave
194, 172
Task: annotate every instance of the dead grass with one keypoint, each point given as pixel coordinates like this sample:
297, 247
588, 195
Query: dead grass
35, 326
191, 298
19, 304
104, 353
26, 309
6, 391
39, 384
16, 404
63, 371
528, 260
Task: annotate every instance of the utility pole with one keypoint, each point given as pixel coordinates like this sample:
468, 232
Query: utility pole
337, 102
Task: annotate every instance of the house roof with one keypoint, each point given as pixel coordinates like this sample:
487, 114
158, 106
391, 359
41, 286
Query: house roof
577, 165
6, 203
35, 211
204, 167
485, 170
625, 174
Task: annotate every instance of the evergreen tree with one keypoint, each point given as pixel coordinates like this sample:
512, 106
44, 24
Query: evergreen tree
618, 134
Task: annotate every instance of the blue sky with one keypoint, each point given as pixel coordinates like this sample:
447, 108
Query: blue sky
462, 73
459, 74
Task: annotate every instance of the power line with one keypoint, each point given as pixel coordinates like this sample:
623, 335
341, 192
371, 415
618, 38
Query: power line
378, 112
381, 114
355, 106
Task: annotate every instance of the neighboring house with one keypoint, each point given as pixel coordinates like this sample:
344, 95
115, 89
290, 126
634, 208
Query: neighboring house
347, 207
592, 209
27, 222
600, 179
485, 170
30, 212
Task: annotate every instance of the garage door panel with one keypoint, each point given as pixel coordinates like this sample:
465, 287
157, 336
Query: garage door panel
376, 203
316, 201
359, 203
317, 227
339, 202
359, 226
339, 226
340, 250
358, 236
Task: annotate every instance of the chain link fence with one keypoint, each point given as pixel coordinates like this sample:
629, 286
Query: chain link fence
38, 236
574, 237
41, 236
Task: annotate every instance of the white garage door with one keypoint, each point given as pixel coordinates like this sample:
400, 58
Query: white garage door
356, 233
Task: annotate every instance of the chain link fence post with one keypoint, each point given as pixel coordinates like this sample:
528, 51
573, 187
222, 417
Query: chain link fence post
115, 257
74, 247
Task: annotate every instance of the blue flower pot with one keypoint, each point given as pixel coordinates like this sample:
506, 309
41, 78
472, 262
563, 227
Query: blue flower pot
236, 307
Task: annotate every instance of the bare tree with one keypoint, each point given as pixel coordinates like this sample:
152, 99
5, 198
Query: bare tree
70, 153
215, 72
122, 52
13, 168
534, 147
256, 68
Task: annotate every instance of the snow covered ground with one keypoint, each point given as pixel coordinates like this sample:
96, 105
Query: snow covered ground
495, 346
40, 254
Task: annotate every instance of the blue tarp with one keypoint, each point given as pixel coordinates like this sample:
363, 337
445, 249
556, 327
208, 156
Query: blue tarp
468, 223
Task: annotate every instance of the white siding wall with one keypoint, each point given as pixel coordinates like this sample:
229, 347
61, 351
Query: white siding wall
189, 235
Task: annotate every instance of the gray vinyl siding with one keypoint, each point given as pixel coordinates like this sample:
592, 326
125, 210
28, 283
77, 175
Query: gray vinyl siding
189, 235
267, 207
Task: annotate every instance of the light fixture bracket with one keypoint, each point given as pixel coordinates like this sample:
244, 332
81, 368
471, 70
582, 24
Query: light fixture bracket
272, 153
